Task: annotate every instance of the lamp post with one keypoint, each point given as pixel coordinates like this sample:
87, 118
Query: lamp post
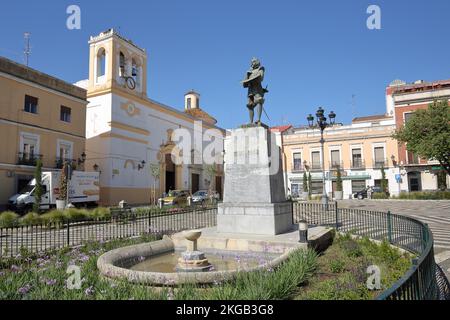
322, 124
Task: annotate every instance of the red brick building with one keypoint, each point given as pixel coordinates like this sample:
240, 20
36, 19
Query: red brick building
402, 100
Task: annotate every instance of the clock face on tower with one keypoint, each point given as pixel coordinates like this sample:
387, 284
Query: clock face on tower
131, 84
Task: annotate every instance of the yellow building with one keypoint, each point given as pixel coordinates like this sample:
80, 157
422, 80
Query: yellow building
40, 117
360, 150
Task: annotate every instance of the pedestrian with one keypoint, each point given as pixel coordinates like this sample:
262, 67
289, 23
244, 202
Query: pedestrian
369, 193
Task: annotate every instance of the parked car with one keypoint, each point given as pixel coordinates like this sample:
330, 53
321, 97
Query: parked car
175, 197
202, 196
363, 193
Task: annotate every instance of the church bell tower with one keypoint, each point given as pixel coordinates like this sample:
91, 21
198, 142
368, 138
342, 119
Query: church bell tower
116, 64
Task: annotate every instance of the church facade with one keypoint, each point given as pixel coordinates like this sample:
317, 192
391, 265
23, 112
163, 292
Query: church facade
132, 140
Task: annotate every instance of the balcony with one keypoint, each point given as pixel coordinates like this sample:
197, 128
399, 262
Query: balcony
380, 163
358, 164
59, 163
334, 165
316, 166
28, 159
413, 159
297, 167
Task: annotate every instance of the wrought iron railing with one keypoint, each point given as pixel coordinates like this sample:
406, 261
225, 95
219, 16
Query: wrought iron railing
28, 159
380, 163
358, 164
297, 167
121, 224
59, 163
423, 281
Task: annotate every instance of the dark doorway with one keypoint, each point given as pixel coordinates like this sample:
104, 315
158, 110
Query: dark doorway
170, 173
195, 182
219, 186
415, 184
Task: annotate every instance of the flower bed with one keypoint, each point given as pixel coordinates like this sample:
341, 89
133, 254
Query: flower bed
342, 270
338, 274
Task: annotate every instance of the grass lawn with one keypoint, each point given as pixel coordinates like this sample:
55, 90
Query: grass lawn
337, 274
342, 270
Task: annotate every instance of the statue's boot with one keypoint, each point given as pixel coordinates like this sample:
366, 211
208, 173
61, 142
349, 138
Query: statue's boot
252, 114
259, 113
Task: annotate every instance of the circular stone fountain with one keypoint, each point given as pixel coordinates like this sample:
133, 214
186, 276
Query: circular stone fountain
193, 260
188, 266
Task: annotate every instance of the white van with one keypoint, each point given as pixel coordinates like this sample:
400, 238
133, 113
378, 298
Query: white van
84, 189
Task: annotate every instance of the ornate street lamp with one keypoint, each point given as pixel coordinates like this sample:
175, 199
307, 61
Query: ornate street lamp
82, 159
321, 122
141, 165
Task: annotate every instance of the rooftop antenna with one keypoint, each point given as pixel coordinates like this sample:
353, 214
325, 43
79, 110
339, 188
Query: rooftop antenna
27, 50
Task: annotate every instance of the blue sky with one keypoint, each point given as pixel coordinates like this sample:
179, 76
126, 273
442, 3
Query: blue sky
316, 53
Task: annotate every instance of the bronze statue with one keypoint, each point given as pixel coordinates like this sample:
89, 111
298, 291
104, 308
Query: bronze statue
253, 81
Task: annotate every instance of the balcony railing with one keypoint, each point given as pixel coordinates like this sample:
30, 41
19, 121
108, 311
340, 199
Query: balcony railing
358, 164
316, 166
28, 159
297, 168
380, 163
334, 165
59, 163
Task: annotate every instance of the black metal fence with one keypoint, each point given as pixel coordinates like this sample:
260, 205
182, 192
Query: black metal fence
122, 224
424, 281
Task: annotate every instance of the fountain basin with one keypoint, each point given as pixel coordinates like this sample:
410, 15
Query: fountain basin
129, 263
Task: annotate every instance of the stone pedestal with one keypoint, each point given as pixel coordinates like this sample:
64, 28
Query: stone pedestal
254, 195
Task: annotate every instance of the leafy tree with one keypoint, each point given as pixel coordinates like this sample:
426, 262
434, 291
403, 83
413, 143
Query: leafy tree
427, 133
309, 184
211, 173
38, 190
338, 179
442, 180
384, 182
63, 183
155, 172
305, 182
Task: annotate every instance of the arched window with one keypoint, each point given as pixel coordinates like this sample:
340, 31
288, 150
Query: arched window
122, 64
101, 64
135, 72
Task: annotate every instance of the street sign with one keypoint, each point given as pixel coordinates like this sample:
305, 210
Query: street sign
398, 178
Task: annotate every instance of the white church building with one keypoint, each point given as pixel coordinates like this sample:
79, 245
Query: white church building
129, 135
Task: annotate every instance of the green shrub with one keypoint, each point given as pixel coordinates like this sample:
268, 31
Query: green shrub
75, 214
337, 266
379, 196
100, 213
343, 288
8, 219
268, 284
54, 216
338, 179
351, 248
424, 195
31, 219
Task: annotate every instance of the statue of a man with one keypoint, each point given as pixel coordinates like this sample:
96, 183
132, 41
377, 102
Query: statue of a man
253, 81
